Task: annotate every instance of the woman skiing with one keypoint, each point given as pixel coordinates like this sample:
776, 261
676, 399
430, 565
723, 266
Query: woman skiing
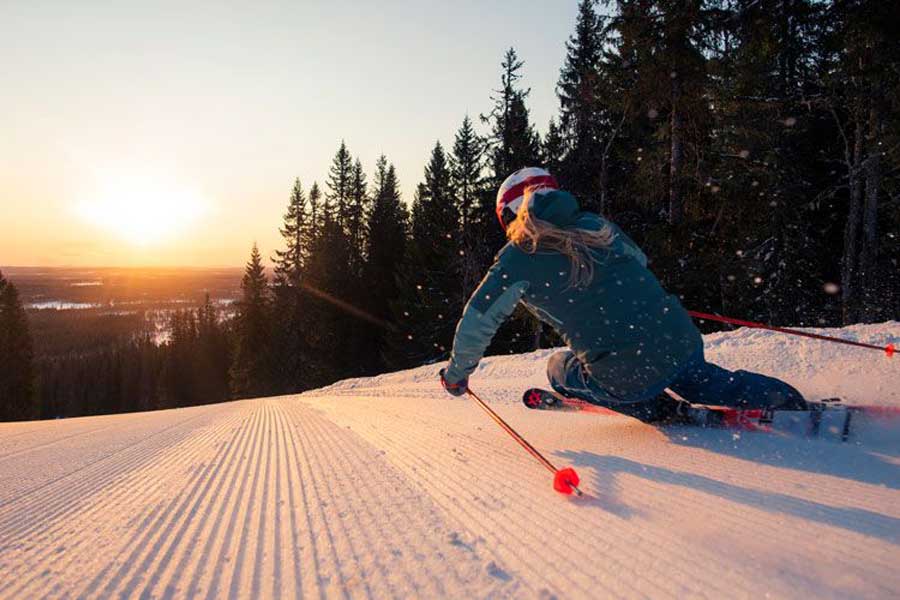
628, 339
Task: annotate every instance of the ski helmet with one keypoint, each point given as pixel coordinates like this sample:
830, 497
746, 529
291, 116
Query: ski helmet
512, 191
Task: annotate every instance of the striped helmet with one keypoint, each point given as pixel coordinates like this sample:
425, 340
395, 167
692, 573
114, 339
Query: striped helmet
512, 191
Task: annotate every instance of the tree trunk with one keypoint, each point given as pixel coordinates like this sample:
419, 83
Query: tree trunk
604, 185
604, 164
787, 58
868, 256
676, 157
849, 298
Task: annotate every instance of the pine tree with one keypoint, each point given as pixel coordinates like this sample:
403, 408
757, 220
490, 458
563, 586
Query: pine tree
434, 232
289, 343
466, 165
179, 369
513, 143
584, 117
386, 252
289, 262
213, 357
554, 150
316, 215
434, 299
469, 190
863, 86
340, 185
356, 213
336, 270
328, 283
655, 76
663, 69
17, 385
759, 219
251, 371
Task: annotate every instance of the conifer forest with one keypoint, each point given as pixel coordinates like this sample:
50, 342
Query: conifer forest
750, 147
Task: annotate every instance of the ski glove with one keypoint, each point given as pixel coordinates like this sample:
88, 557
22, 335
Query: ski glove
456, 389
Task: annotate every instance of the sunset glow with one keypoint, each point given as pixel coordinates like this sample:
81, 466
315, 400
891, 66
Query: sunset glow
150, 135
141, 210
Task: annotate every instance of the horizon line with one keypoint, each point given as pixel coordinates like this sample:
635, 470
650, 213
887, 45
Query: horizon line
194, 267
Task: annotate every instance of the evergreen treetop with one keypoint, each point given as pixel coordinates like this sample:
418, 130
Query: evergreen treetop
289, 262
316, 211
466, 165
513, 143
339, 185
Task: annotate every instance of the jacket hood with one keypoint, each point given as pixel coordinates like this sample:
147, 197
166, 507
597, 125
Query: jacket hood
556, 206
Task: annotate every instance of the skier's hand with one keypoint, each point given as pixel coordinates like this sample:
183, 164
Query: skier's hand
456, 389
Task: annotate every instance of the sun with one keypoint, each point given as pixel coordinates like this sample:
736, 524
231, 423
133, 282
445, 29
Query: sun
140, 209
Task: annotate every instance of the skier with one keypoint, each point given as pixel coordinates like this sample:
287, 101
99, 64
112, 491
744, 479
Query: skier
628, 338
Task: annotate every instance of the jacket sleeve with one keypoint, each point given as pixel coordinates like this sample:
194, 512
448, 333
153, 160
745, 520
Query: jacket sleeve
490, 305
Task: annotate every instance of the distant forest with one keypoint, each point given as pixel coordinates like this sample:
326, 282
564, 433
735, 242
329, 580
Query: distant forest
751, 147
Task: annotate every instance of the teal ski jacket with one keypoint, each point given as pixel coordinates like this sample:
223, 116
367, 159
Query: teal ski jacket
631, 336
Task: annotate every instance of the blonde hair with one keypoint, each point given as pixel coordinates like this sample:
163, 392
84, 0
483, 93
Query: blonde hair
532, 234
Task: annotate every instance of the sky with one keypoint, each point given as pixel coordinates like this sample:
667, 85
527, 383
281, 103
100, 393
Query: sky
170, 133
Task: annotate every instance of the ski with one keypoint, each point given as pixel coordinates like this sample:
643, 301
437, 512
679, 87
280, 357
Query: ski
826, 419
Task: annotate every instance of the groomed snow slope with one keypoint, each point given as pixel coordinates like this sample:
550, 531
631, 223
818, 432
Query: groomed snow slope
386, 487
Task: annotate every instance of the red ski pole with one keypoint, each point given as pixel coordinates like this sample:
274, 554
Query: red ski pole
889, 349
564, 480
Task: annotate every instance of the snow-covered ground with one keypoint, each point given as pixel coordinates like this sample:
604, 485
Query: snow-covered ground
386, 487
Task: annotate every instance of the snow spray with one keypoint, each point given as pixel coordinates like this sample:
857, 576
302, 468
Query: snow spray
565, 480
889, 349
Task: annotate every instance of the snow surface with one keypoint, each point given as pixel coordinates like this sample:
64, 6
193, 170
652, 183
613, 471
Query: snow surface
387, 487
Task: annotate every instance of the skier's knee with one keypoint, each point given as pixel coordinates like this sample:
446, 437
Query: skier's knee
556, 366
787, 398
